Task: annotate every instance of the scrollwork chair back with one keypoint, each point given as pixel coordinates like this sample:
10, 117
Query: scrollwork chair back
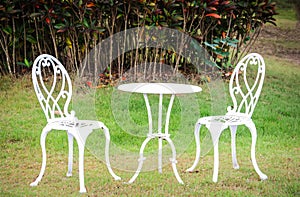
245, 90
53, 86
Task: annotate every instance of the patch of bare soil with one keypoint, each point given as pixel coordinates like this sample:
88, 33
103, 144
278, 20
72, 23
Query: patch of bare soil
279, 42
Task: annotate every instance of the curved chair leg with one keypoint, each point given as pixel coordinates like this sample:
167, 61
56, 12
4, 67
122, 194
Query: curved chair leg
107, 136
197, 138
70, 158
215, 131
43, 146
252, 129
233, 146
216, 160
81, 144
81, 167
173, 160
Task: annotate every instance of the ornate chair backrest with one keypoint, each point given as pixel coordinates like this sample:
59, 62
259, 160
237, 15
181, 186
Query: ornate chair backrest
52, 86
246, 83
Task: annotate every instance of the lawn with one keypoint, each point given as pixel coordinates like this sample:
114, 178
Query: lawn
277, 118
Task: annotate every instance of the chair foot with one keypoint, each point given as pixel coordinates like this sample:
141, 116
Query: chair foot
82, 190
33, 184
190, 169
236, 167
117, 178
69, 174
263, 177
215, 180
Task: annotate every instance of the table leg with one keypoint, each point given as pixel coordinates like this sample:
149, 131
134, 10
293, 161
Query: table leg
161, 136
141, 160
160, 155
173, 160
159, 132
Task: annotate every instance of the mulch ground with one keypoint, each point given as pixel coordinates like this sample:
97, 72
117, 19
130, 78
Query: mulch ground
270, 42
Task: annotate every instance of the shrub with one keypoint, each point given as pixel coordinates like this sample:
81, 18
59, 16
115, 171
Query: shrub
69, 29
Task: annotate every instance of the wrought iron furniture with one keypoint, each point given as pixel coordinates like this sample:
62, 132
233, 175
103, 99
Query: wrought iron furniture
244, 93
160, 89
54, 97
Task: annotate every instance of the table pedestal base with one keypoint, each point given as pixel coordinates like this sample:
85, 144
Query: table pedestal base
173, 160
159, 89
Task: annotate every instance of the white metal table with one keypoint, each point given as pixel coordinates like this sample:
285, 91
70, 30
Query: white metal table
159, 89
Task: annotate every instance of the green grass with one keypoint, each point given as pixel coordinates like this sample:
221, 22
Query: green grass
286, 19
282, 44
276, 117
287, 16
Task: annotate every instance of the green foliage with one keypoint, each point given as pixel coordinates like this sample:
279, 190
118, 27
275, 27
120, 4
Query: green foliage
69, 29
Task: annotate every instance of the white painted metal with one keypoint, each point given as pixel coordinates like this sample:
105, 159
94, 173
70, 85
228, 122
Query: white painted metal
240, 114
54, 97
160, 89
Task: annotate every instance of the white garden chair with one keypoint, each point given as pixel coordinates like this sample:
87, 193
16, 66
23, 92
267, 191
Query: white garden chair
244, 94
54, 98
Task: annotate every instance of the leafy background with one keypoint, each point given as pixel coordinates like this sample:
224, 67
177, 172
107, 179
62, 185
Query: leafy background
69, 29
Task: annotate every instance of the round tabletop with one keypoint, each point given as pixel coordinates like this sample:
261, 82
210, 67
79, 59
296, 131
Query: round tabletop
159, 88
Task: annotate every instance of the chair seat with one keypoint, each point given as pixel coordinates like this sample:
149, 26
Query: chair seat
67, 123
228, 119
